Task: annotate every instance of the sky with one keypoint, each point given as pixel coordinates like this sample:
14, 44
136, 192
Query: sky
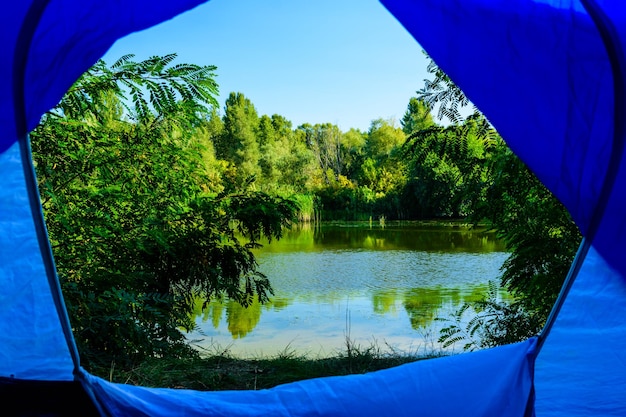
345, 62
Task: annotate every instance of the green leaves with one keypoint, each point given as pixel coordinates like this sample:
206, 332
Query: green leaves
136, 236
443, 93
417, 116
489, 322
146, 89
536, 228
259, 214
447, 168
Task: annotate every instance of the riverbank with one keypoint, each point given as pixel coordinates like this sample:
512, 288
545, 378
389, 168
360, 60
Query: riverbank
225, 372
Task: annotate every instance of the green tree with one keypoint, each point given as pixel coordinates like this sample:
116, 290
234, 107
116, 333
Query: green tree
218, 172
270, 153
97, 94
298, 168
442, 93
238, 143
383, 170
383, 138
324, 140
536, 228
136, 234
417, 116
353, 144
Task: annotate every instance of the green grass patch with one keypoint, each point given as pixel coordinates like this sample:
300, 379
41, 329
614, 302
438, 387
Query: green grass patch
222, 371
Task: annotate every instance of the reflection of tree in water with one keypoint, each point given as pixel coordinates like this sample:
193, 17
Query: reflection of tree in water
212, 310
373, 242
279, 303
215, 311
384, 301
241, 320
423, 305
405, 237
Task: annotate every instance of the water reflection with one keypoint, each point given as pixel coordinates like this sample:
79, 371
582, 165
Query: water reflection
394, 236
240, 320
421, 305
369, 284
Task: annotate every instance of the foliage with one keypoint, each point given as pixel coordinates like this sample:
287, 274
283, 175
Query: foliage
417, 116
166, 86
153, 199
238, 143
308, 207
443, 93
324, 141
534, 225
494, 321
536, 228
353, 144
447, 168
137, 234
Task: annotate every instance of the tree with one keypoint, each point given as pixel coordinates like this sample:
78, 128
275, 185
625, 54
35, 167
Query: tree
297, 166
383, 137
383, 169
353, 145
275, 137
238, 143
136, 233
324, 140
417, 116
536, 228
166, 86
218, 172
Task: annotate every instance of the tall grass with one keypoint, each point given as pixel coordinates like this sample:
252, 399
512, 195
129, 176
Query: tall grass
308, 205
220, 370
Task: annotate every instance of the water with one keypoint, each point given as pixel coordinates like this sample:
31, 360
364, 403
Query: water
377, 286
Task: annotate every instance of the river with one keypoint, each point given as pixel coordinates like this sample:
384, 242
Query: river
382, 286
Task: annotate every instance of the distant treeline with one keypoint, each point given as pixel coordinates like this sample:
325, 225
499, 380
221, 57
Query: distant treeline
416, 169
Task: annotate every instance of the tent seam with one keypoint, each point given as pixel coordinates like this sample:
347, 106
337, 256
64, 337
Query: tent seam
22, 50
23, 45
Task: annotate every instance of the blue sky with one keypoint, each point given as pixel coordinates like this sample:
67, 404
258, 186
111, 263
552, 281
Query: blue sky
346, 62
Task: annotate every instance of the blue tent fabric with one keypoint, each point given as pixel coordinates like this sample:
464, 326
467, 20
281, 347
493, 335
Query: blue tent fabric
581, 369
495, 382
550, 77
32, 345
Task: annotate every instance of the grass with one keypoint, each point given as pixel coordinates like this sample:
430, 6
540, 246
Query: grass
222, 371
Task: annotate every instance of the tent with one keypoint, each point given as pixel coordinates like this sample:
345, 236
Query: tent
549, 74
